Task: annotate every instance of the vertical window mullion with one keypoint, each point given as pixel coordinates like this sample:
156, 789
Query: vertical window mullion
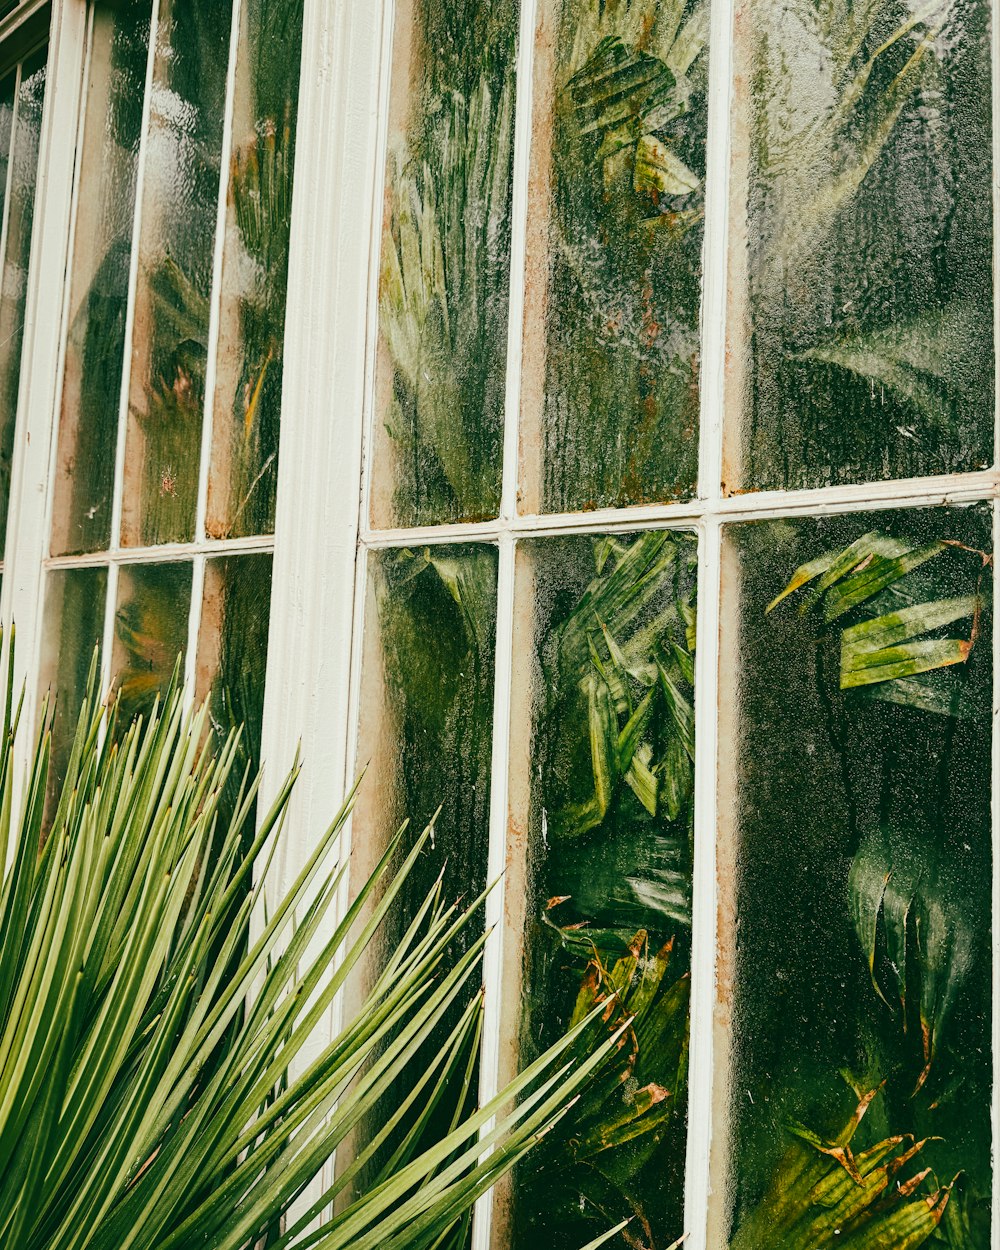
995, 947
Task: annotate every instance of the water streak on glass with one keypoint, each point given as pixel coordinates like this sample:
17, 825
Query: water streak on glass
444, 292
244, 471
605, 645
859, 865
426, 730
614, 273
863, 288
20, 212
232, 654
151, 632
73, 628
99, 275
176, 254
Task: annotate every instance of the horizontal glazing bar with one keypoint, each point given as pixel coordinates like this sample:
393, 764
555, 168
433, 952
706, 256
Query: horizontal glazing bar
164, 554
915, 492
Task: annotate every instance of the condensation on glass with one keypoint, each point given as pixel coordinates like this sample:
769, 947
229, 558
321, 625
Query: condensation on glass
75, 601
178, 211
600, 864
203, 316
22, 96
247, 400
232, 652
855, 977
610, 396
445, 263
861, 339
99, 278
150, 632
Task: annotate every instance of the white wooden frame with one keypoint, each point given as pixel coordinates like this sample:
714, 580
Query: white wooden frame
312, 690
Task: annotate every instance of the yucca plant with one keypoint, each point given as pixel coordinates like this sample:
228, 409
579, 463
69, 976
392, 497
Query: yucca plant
147, 1034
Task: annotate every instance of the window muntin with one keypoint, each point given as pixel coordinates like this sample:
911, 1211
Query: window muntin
172, 209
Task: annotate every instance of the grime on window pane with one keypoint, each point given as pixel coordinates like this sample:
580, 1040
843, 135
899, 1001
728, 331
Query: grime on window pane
75, 604
99, 278
862, 290
858, 689
445, 263
602, 777
617, 201
426, 743
180, 192
247, 400
151, 633
21, 169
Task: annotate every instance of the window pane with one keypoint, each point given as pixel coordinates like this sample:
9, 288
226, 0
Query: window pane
151, 632
19, 215
255, 271
604, 786
99, 278
232, 651
75, 602
426, 730
614, 279
176, 254
868, 326
861, 868
445, 263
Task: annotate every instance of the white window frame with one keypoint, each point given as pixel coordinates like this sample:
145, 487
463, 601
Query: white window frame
322, 535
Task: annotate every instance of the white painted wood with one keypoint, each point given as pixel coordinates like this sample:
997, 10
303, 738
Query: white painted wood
44, 312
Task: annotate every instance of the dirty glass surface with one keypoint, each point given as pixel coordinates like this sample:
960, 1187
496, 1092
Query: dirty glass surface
151, 628
867, 346
176, 254
232, 653
445, 267
244, 473
610, 645
75, 602
19, 214
861, 950
99, 276
425, 743
614, 279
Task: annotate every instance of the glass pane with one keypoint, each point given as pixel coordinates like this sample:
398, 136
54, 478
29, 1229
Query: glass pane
426, 729
232, 651
18, 217
75, 602
244, 473
607, 777
861, 869
99, 278
8, 86
868, 326
445, 263
151, 632
176, 254
614, 290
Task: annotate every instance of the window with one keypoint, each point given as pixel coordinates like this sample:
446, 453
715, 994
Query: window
599, 443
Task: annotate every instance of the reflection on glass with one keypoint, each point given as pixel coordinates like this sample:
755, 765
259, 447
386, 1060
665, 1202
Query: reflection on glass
445, 263
176, 253
869, 253
244, 474
619, 172
99, 277
151, 628
426, 730
18, 217
232, 652
861, 1017
74, 626
610, 853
